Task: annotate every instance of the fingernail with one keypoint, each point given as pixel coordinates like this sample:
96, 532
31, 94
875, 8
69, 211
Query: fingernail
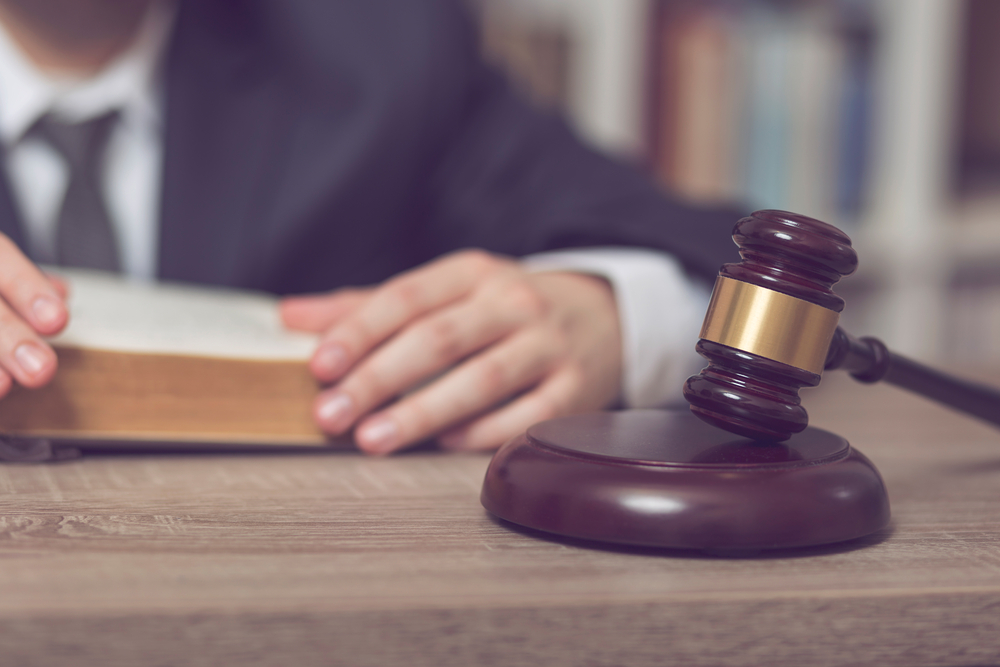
330, 360
47, 310
380, 434
30, 358
334, 411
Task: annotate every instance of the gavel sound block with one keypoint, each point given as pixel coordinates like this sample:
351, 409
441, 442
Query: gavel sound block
741, 471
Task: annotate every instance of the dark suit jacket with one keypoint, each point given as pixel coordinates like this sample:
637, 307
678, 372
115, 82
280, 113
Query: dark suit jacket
311, 144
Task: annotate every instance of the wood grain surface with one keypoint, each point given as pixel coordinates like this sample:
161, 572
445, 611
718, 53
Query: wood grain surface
339, 559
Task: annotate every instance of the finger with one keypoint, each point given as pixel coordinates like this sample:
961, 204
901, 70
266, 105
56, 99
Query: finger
397, 303
468, 390
29, 292
316, 313
60, 285
6, 382
553, 398
22, 353
427, 348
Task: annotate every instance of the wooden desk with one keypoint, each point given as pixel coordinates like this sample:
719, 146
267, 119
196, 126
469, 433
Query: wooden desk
340, 559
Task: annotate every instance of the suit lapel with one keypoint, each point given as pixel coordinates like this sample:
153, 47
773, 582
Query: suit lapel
223, 132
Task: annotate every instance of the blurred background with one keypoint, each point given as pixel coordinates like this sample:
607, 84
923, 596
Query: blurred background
879, 116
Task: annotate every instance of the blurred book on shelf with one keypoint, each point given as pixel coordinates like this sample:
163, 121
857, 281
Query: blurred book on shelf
879, 116
762, 102
978, 172
973, 302
534, 53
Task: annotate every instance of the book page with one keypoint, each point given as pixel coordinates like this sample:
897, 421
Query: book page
113, 313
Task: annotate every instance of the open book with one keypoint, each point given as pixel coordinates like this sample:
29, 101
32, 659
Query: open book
161, 363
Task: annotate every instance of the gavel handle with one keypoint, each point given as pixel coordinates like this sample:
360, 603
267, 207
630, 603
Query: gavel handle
868, 360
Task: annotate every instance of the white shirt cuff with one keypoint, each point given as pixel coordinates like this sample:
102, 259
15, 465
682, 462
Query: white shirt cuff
660, 311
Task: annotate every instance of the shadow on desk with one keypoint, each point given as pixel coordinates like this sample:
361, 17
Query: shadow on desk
757, 554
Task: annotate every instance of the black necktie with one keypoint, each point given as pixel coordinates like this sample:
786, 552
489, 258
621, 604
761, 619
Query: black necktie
84, 236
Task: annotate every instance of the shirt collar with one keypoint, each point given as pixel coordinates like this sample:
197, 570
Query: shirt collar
130, 83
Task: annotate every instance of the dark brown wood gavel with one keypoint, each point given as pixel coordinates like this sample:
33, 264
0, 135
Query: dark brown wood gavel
771, 329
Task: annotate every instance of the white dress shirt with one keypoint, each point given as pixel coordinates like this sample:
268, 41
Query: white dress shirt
38, 174
660, 308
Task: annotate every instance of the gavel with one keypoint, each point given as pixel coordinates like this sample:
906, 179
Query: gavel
771, 329
664, 478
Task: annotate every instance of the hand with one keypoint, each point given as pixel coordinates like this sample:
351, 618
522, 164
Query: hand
470, 348
33, 305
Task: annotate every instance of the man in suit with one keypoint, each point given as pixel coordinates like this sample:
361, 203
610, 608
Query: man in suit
297, 147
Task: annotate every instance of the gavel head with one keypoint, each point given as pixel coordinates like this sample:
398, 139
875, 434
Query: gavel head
769, 325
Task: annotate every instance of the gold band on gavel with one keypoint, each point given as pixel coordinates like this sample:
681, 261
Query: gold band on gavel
769, 324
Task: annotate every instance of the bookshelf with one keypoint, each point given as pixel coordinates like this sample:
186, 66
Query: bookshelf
923, 206
604, 47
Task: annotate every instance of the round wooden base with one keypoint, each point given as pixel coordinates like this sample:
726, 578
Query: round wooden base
663, 478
